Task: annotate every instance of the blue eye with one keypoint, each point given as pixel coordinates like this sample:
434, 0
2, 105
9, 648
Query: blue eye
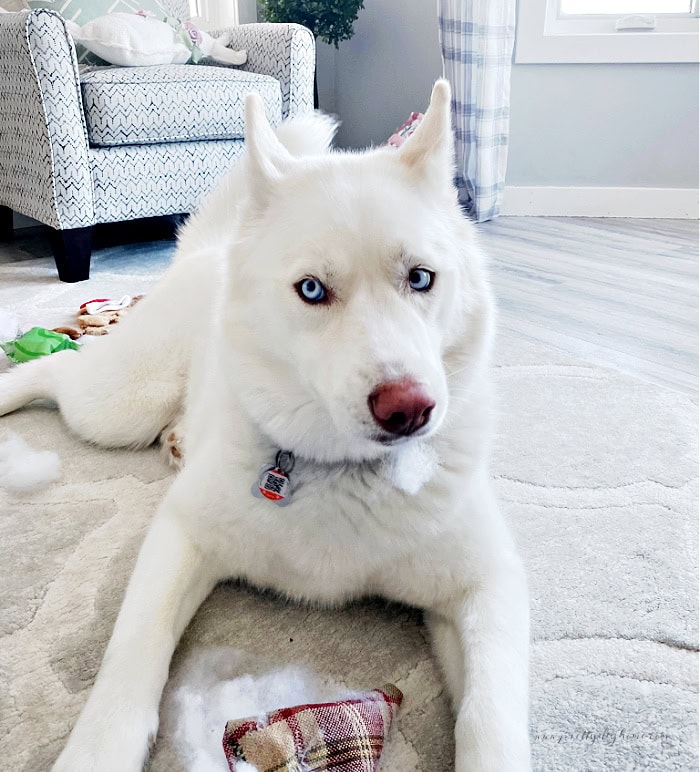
310, 290
420, 279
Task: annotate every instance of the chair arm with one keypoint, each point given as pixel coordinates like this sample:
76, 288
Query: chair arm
284, 51
44, 167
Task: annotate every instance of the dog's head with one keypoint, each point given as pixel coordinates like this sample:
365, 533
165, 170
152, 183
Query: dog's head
354, 292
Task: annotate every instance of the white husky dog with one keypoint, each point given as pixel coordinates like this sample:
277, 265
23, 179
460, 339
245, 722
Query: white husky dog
326, 329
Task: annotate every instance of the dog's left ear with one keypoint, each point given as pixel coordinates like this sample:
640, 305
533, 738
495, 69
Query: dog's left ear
429, 152
269, 159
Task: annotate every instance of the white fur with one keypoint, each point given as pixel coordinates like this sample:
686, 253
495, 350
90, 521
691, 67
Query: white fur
270, 372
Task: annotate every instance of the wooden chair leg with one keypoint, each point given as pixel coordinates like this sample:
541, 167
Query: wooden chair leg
6, 225
71, 251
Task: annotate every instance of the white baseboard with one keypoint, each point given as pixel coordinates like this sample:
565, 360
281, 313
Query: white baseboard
673, 203
680, 203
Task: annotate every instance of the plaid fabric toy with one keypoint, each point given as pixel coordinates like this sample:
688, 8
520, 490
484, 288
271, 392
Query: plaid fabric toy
345, 736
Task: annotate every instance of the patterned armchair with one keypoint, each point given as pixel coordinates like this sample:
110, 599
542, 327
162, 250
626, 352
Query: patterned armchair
87, 145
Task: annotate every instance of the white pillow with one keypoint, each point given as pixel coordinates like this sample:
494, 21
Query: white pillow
131, 40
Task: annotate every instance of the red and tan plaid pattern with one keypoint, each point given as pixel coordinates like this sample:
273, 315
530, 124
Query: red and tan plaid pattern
345, 736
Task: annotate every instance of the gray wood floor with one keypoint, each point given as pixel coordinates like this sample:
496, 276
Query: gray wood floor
615, 292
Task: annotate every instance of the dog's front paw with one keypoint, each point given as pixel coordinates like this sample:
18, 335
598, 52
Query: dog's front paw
110, 744
492, 760
480, 749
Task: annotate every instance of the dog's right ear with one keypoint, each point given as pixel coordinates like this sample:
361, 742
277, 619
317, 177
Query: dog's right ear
429, 152
269, 159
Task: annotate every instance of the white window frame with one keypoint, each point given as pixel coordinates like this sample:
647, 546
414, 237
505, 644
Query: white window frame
214, 14
543, 37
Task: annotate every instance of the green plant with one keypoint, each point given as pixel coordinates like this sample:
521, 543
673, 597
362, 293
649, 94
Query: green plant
329, 20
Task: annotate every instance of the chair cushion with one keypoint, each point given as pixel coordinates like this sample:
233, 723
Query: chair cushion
171, 103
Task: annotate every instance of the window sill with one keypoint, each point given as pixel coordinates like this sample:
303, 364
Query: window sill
542, 38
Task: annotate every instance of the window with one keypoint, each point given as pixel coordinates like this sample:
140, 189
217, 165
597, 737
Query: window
591, 7
607, 31
214, 14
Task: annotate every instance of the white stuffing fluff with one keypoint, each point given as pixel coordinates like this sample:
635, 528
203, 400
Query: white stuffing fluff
22, 468
213, 688
9, 326
9, 330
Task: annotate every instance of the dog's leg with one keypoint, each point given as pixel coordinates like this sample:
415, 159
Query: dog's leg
170, 581
448, 650
32, 380
482, 641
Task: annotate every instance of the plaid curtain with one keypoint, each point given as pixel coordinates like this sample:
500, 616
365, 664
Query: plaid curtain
476, 38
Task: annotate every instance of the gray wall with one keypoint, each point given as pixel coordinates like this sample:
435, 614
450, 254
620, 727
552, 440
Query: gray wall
384, 72
247, 11
571, 124
617, 125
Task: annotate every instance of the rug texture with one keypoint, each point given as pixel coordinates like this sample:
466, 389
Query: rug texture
596, 474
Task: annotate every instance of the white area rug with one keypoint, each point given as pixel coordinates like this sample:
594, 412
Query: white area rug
597, 475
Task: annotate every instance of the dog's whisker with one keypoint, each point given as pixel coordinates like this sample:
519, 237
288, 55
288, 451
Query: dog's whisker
452, 373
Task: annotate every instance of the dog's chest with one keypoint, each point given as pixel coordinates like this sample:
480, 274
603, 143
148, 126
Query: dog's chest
339, 525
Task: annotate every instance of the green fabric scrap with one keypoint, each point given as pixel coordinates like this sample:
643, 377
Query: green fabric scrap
38, 342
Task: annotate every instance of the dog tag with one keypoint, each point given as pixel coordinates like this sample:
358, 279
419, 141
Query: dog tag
273, 483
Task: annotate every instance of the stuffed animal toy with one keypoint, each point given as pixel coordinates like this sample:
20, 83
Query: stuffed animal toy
95, 316
347, 735
138, 40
